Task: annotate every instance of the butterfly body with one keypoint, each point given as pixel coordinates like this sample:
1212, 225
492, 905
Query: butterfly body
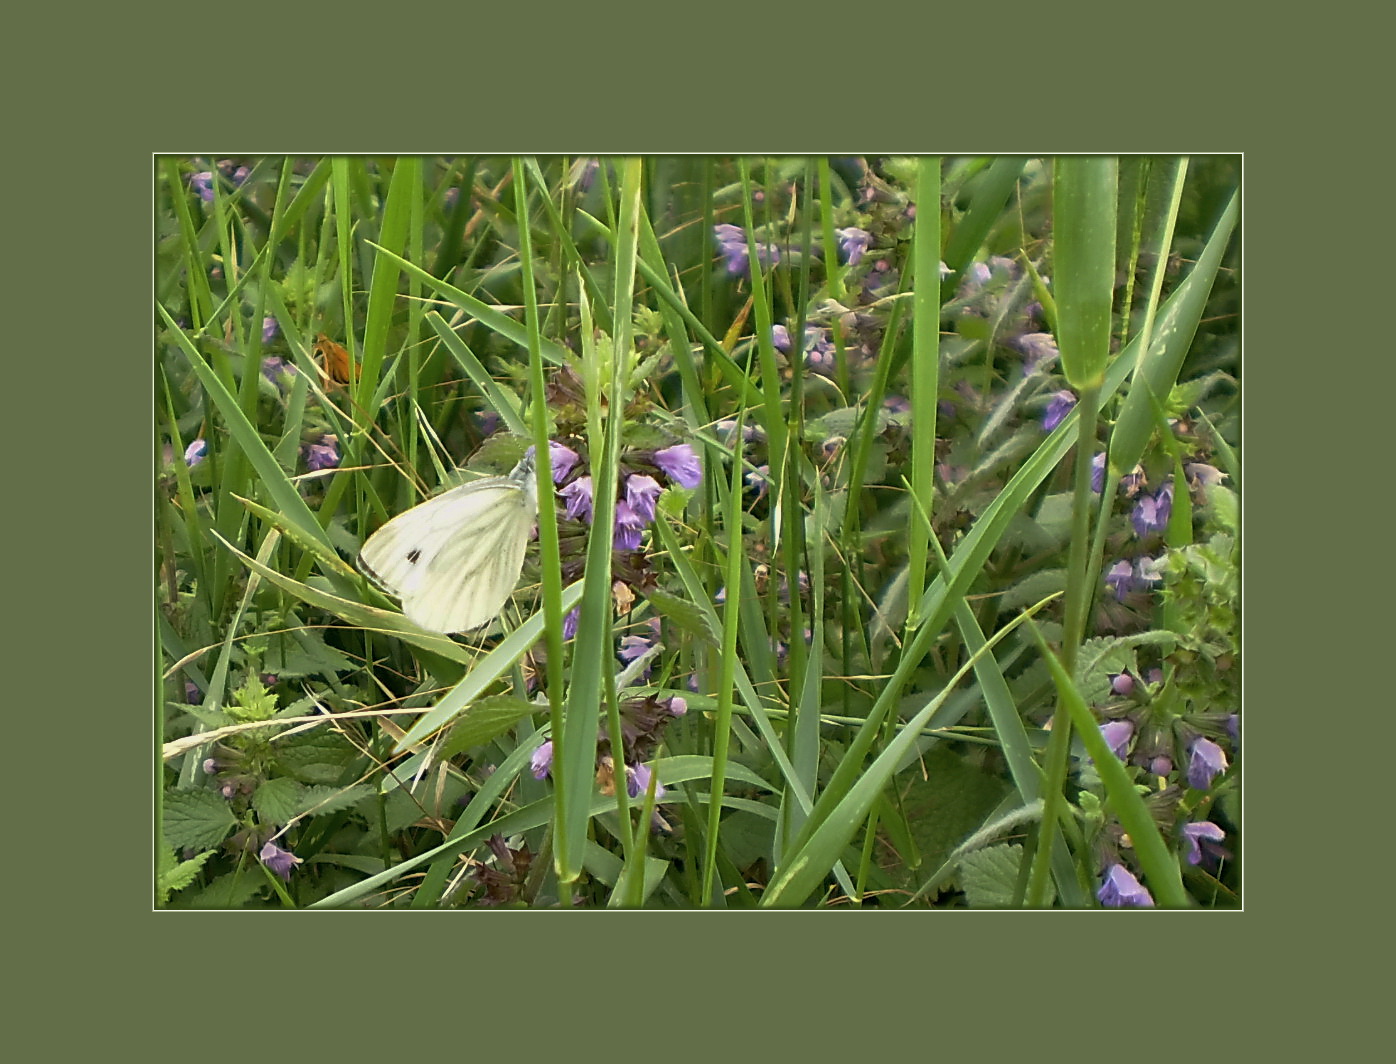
454, 560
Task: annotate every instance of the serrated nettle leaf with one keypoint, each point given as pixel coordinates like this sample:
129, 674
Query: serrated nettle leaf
1223, 508
1034, 588
288, 659
230, 891
321, 800
196, 819
320, 756
989, 877
278, 801
685, 615
486, 719
182, 874
210, 718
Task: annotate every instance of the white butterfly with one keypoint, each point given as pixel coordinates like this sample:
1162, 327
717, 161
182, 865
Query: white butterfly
455, 559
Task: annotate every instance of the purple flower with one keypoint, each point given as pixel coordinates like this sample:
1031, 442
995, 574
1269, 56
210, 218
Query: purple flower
632, 646
1117, 734
1098, 473
853, 243
1207, 762
278, 860
577, 497
487, 421
680, 465
727, 429
758, 480
780, 338
629, 525
210, 766
270, 328
1161, 765
1233, 727
820, 354
975, 277
276, 370
196, 452
192, 694
585, 169
1057, 409
1122, 891
542, 760
1037, 348
1120, 579
569, 623
1151, 512
678, 706
731, 244
1140, 575
897, 404
1122, 684
236, 174
323, 454
628, 518
1203, 475
637, 782
563, 459
202, 183
641, 493
1195, 833
1132, 483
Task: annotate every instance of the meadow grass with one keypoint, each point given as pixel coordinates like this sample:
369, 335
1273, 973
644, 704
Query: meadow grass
892, 525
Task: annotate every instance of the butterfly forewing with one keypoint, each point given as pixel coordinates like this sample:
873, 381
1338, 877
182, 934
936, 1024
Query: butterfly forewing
473, 575
454, 559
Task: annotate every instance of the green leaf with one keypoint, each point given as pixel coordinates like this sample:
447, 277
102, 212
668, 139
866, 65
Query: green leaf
684, 614
486, 719
1083, 225
278, 801
174, 876
318, 756
1157, 369
989, 877
196, 819
231, 891
318, 801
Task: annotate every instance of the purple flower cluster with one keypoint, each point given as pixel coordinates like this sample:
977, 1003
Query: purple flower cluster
1125, 576
1151, 512
731, 244
639, 492
323, 454
853, 244
819, 351
637, 777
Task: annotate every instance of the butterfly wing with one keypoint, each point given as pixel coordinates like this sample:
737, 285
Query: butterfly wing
453, 560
